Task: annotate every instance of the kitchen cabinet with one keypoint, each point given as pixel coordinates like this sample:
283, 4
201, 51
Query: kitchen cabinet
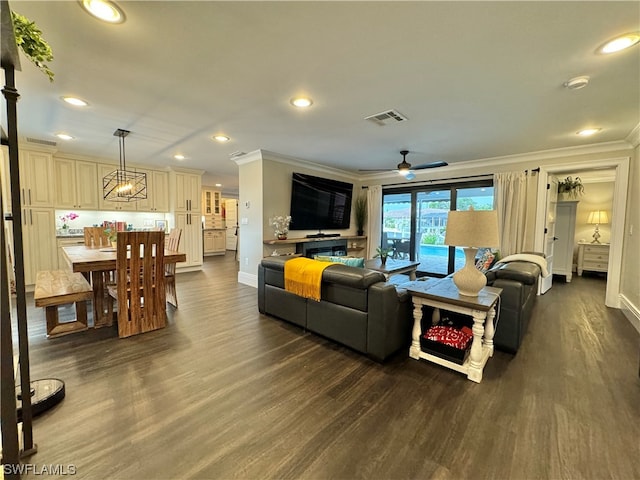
38, 215
76, 184
38, 242
564, 234
191, 241
214, 242
186, 188
211, 202
157, 192
104, 170
36, 172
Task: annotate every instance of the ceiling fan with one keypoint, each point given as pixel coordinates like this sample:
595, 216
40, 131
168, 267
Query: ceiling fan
405, 169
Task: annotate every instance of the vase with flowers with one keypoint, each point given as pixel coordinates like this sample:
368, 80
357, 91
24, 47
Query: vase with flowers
65, 219
280, 223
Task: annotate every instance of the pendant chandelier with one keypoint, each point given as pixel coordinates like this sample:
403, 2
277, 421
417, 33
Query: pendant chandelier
124, 185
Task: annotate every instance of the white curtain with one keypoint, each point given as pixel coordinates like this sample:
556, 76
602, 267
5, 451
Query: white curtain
374, 219
511, 192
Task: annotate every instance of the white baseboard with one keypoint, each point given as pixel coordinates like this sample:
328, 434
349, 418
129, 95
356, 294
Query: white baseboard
248, 279
630, 311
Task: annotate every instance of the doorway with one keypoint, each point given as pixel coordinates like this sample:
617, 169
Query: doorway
620, 170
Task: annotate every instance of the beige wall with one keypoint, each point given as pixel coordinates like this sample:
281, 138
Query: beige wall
597, 196
250, 217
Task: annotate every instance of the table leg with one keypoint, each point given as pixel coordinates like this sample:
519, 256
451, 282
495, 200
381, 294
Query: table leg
489, 331
414, 350
412, 274
475, 357
100, 319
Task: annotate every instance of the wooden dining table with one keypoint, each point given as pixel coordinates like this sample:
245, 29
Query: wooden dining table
93, 262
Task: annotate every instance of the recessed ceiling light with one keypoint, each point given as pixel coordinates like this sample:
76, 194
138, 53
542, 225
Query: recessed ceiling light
577, 83
104, 10
588, 131
221, 138
64, 136
218, 184
76, 102
301, 102
620, 43
179, 157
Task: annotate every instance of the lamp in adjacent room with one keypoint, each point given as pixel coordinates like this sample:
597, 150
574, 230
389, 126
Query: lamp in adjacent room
471, 229
124, 185
597, 218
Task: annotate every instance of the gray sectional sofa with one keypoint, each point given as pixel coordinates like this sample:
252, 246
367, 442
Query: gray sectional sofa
357, 307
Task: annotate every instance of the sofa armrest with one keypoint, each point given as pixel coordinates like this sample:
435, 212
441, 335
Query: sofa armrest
390, 320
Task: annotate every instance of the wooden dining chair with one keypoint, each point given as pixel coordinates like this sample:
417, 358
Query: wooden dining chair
173, 243
140, 288
96, 237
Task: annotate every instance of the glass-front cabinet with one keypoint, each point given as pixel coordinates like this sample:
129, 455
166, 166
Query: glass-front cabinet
211, 202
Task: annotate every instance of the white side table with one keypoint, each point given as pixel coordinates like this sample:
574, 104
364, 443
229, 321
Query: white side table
593, 257
444, 295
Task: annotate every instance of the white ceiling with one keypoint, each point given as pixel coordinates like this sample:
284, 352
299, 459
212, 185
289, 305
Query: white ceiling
475, 79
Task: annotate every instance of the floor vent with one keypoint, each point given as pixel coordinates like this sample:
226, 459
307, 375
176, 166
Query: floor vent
38, 141
386, 118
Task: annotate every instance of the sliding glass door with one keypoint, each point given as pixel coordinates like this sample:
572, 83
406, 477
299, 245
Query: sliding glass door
415, 223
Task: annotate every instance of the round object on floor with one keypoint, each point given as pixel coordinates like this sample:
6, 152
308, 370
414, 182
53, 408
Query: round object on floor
45, 393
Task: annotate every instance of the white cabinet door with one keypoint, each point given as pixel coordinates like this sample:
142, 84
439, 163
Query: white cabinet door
65, 177
39, 242
191, 240
565, 233
36, 175
219, 241
86, 189
76, 184
208, 242
160, 185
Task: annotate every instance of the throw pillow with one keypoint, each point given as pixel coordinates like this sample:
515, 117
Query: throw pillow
350, 261
485, 261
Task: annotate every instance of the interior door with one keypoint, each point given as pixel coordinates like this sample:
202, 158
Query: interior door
550, 229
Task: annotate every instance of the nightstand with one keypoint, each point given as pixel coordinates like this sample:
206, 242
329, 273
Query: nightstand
593, 257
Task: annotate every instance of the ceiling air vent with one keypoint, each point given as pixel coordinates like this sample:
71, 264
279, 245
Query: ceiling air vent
38, 141
386, 118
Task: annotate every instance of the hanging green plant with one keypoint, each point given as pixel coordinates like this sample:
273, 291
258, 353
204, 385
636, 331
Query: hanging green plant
29, 39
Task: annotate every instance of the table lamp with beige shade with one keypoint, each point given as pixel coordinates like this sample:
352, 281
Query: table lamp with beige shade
597, 218
471, 229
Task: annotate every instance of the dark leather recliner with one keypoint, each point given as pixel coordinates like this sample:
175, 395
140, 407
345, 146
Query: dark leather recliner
519, 283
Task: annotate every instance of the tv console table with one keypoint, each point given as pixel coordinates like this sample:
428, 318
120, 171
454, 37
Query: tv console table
342, 245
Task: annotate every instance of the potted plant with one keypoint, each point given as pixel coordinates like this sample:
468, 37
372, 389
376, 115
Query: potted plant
570, 187
383, 253
29, 39
112, 235
281, 226
360, 211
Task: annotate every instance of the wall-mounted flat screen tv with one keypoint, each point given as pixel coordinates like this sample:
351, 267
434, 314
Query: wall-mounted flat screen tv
319, 203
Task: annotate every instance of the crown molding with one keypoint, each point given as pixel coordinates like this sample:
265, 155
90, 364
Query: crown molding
297, 162
634, 136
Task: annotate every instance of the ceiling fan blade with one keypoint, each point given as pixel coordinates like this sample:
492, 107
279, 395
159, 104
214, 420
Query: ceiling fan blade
430, 165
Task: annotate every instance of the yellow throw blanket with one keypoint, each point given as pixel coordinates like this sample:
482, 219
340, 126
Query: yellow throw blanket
303, 277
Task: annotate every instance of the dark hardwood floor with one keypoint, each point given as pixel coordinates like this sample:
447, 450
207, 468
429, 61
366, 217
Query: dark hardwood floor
225, 393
